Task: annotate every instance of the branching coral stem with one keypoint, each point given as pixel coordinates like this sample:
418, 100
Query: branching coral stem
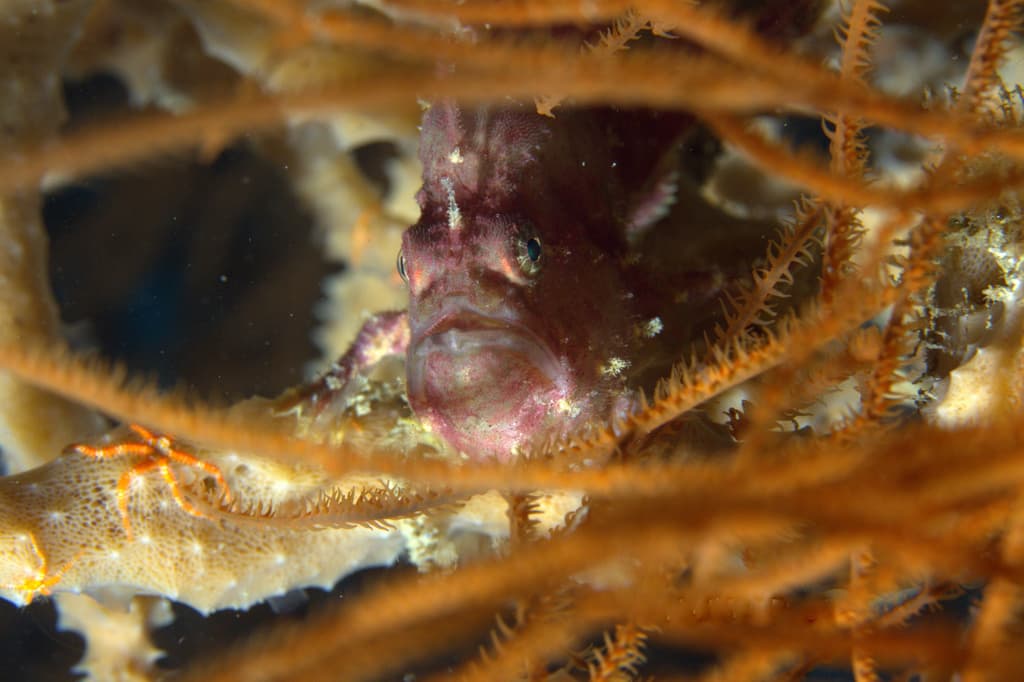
843, 189
751, 306
847, 145
692, 384
418, 600
620, 655
370, 506
93, 383
1002, 18
657, 79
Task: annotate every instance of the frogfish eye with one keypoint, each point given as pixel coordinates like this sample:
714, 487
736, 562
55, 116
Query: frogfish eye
530, 255
400, 265
533, 250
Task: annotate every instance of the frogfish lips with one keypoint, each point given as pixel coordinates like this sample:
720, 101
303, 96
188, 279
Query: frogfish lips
487, 387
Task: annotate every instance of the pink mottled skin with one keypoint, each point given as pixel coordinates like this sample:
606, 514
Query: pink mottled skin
523, 315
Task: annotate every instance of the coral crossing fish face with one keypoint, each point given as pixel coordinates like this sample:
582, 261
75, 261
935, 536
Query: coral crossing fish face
519, 316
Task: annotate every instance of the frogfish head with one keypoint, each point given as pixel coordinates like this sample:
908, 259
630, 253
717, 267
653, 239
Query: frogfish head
512, 328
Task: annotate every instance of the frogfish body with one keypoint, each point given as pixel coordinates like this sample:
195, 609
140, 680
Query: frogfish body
523, 316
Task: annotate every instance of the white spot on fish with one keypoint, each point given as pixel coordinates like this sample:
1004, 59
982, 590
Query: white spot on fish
454, 214
568, 407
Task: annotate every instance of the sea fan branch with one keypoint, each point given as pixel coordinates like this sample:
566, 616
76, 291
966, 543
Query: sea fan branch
938, 196
371, 506
619, 658
752, 307
657, 78
616, 38
982, 81
847, 146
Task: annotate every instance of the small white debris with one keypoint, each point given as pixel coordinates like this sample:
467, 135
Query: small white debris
652, 327
456, 156
614, 367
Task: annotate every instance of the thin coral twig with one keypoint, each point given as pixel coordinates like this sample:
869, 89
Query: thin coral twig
847, 145
752, 306
1002, 18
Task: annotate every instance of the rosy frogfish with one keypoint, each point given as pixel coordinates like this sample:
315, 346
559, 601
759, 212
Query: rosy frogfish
527, 318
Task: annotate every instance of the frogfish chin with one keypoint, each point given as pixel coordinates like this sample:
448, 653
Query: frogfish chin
490, 392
